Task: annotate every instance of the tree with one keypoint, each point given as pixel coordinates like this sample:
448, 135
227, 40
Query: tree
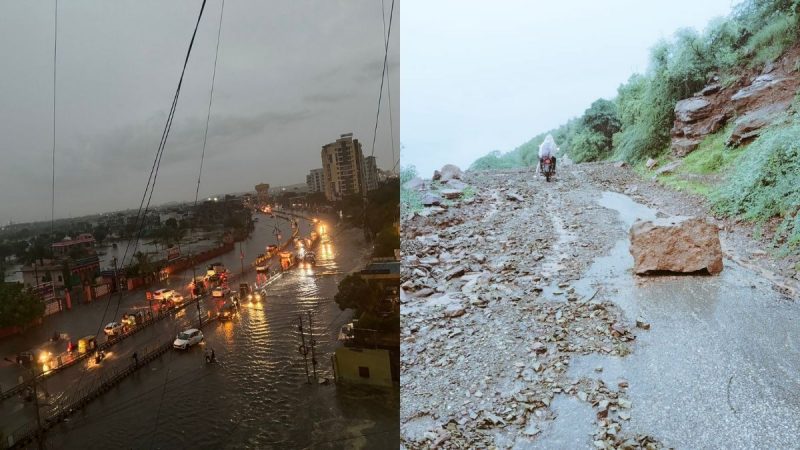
386, 242
357, 293
100, 232
19, 306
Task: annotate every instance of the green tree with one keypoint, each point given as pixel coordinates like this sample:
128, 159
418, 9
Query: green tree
19, 306
357, 293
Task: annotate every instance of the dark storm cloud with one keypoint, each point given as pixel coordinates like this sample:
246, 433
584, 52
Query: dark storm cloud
291, 77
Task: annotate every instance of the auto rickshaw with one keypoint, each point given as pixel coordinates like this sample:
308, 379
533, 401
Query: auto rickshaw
87, 344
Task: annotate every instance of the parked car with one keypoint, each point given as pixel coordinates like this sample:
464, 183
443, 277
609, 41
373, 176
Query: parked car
220, 292
163, 294
187, 338
113, 329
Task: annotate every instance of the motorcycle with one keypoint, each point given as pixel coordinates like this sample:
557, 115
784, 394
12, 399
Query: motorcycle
548, 167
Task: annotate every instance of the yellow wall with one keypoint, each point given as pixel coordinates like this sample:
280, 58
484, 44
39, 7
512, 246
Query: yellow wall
349, 359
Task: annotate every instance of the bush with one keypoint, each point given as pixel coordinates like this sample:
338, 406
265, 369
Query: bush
410, 200
766, 182
769, 42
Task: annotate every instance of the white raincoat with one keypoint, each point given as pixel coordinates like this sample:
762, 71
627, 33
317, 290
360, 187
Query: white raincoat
548, 147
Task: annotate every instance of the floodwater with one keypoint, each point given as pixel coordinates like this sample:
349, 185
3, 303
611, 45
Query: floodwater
719, 366
256, 395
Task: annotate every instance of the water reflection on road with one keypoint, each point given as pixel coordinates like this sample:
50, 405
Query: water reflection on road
256, 395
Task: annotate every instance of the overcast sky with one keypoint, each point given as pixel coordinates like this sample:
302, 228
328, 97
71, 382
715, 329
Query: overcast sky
479, 76
291, 77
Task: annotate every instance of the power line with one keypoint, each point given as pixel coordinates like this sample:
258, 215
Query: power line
388, 86
210, 99
53, 188
383, 76
151, 181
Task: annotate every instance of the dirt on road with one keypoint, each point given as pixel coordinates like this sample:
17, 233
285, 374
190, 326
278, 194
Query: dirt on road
506, 292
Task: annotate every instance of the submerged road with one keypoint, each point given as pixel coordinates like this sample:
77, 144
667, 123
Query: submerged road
256, 395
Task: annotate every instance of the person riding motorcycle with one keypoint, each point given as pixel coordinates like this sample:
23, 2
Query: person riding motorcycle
547, 148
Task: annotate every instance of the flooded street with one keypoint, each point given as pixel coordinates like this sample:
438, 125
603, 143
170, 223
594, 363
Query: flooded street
256, 395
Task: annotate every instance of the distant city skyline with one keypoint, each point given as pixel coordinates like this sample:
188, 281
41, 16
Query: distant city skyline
282, 91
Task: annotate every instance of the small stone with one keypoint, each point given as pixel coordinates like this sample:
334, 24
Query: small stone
598, 369
640, 323
624, 415
622, 383
624, 403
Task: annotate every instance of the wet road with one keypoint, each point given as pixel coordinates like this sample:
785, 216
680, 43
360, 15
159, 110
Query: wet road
719, 366
256, 395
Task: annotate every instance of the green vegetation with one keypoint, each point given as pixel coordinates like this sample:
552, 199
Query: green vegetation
757, 182
766, 183
357, 293
410, 199
19, 306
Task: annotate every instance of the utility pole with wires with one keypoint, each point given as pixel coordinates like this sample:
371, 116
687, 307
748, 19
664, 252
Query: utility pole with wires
39, 430
313, 343
303, 349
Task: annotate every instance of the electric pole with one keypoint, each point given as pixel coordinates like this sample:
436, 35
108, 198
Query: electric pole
313, 343
303, 349
39, 431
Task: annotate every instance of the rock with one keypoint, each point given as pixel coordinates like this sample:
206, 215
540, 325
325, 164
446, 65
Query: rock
450, 172
622, 383
451, 194
679, 244
415, 184
624, 403
436, 175
620, 164
424, 292
454, 310
640, 323
669, 168
692, 109
710, 89
650, 163
513, 196
430, 199
763, 87
538, 347
456, 184
681, 147
749, 125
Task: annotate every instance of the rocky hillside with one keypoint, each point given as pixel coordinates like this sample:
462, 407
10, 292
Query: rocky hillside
754, 102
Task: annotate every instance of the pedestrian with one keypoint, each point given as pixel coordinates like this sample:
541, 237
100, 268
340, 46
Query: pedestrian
135, 359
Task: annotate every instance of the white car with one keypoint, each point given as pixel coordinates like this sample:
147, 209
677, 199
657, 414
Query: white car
113, 329
220, 292
188, 338
176, 299
163, 294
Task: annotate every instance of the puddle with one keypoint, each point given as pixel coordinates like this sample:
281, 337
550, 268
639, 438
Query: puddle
627, 209
719, 366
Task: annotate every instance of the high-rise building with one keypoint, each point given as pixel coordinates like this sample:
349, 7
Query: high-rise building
314, 181
370, 173
342, 168
262, 193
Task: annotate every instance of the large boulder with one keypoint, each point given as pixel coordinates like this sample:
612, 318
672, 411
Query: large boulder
750, 125
415, 184
450, 172
692, 109
677, 244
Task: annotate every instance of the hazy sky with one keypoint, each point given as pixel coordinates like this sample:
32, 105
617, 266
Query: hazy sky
291, 77
479, 76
